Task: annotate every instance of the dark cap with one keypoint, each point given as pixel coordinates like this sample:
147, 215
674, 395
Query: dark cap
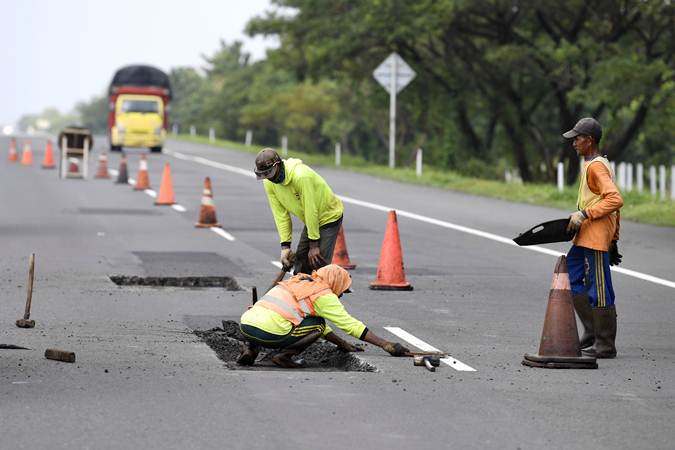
265, 161
587, 126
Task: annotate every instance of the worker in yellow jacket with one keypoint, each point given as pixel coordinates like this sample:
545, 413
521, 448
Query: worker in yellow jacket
294, 188
292, 316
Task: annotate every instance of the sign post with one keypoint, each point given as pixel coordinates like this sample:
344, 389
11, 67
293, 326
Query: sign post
393, 74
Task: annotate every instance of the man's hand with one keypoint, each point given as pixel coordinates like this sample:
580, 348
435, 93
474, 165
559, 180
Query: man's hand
576, 219
395, 349
287, 258
614, 255
314, 256
342, 345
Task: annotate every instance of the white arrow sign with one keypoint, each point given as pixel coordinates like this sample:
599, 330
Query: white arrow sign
393, 74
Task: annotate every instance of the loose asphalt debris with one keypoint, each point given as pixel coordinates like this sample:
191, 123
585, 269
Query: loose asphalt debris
228, 283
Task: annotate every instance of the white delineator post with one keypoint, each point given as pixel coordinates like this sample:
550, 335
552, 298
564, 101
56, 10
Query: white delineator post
640, 177
622, 176
212, 135
652, 180
174, 129
662, 181
284, 145
249, 138
561, 176
193, 131
629, 177
338, 154
418, 162
672, 182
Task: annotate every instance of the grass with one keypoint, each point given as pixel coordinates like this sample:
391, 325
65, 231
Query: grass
637, 207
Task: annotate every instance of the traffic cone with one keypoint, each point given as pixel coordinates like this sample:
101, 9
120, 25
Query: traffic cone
390, 272
123, 173
48, 160
142, 180
73, 166
559, 347
102, 169
165, 196
207, 212
13, 155
27, 155
340, 255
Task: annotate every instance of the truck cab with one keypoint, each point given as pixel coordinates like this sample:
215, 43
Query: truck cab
139, 122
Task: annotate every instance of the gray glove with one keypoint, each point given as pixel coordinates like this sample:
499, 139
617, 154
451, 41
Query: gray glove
287, 258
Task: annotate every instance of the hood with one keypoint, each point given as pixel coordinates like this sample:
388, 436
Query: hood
334, 276
289, 166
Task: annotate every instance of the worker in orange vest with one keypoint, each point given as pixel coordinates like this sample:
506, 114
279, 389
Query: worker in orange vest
292, 316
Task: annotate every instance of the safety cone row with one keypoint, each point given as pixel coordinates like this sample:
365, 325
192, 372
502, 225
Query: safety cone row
390, 271
27, 154
165, 195
48, 160
559, 346
207, 211
13, 155
143, 179
102, 169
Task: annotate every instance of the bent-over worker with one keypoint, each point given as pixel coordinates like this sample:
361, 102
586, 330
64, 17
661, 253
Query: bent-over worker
292, 316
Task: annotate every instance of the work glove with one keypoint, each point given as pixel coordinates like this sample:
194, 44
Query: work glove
395, 349
347, 347
287, 258
316, 261
614, 255
576, 219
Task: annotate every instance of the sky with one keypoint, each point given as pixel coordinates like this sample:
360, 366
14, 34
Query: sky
58, 52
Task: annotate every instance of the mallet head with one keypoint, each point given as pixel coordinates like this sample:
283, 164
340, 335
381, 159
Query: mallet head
25, 323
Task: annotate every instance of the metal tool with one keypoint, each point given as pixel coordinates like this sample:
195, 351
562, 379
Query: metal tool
254, 295
428, 361
439, 354
26, 322
280, 276
60, 355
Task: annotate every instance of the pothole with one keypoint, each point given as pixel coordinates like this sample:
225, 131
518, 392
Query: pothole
228, 283
319, 357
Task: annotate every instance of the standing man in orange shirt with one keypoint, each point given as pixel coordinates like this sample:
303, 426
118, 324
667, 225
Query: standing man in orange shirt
596, 223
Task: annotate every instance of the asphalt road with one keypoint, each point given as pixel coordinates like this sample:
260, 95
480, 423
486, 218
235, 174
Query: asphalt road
143, 380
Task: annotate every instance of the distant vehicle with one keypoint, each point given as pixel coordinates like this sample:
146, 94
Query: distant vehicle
139, 108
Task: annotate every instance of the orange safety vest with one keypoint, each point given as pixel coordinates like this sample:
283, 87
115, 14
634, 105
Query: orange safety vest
294, 298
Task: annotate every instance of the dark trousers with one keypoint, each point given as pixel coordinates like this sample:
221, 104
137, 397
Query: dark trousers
327, 237
269, 340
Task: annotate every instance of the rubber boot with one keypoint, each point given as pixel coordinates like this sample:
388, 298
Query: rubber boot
249, 352
604, 324
284, 357
582, 306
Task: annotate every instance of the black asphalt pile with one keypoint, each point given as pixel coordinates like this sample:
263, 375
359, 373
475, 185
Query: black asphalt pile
320, 356
228, 283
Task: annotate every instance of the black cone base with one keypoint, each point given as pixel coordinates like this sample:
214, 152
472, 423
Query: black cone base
559, 362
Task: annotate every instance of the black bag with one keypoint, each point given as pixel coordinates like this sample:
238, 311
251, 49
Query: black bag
545, 233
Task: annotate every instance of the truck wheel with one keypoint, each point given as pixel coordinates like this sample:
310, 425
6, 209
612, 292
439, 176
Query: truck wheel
156, 149
115, 148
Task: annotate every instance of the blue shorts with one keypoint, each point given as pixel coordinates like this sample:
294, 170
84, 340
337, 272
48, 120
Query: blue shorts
590, 274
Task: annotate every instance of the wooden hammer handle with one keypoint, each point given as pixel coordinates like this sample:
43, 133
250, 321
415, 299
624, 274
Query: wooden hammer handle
31, 276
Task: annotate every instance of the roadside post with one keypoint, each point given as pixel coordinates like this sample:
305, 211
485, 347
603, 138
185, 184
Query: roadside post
640, 177
561, 176
338, 154
284, 145
629, 177
418, 162
249, 138
672, 182
662, 182
652, 180
193, 131
212, 135
393, 74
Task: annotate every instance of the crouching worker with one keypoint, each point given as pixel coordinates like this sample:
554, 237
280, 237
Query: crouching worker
292, 316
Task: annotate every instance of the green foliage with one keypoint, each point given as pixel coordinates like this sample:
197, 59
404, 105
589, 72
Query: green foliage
94, 114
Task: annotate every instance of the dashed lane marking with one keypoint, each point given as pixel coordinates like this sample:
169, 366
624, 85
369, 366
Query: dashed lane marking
432, 221
222, 233
412, 340
179, 208
153, 194
276, 264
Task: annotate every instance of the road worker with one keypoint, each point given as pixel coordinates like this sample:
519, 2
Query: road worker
294, 188
596, 223
292, 316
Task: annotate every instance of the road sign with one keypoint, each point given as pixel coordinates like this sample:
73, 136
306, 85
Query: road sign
393, 74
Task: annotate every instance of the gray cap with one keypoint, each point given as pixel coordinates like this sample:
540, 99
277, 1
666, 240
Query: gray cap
587, 126
265, 161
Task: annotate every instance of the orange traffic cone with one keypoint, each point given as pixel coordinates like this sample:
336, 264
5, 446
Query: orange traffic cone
165, 196
102, 169
207, 212
48, 161
123, 173
13, 155
559, 347
340, 255
27, 155
390, 272
143, 179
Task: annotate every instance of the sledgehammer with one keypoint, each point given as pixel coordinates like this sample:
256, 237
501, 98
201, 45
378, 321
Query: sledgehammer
25, 322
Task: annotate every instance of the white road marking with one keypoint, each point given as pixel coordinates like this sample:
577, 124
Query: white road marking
432, 221
276, 263
179, 208
151, 193
450, 361
223, 233
131, 181
114, 172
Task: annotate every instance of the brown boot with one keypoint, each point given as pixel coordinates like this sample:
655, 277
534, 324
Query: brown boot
249, 352
604, 324
582, 306
284, 357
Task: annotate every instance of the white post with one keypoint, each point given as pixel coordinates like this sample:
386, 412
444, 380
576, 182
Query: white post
193, 131
612, 164
212, 135
338, 154
392, 114
507, 175
561, 176
622, 176
672, 182
629, 177
418, 162
284, 145
249, 138
640, 178
662, 181
174, 129
652, 180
